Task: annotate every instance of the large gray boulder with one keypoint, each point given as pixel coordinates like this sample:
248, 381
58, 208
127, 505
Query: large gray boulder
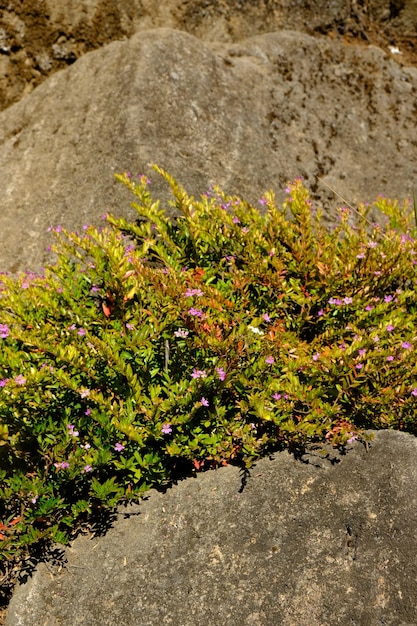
246, 116
310, 542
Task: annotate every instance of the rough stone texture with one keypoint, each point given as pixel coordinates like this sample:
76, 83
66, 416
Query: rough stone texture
39, 37
246, 116
303, 544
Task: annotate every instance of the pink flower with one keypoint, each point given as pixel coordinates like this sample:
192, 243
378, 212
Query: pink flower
199, 374
269, 359
4, 331
193, 292
20, 380
62, 465
119, 447
166, 429
204, 402
72, 432
221, 373
182, 332
87, 468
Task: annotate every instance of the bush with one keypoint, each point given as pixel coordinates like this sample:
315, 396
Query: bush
158, 346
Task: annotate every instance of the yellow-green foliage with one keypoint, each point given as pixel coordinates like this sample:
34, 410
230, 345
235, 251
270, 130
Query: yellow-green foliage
157, 347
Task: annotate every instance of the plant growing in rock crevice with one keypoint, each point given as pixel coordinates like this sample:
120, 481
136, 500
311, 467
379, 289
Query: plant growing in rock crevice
219, 336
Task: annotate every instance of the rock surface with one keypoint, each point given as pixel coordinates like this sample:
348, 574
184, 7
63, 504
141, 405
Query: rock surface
302, 544
305, 543
39, 37
247, 116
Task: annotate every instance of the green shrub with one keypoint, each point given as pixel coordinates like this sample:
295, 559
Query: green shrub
156, 346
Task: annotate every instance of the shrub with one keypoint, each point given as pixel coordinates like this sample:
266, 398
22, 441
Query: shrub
156, 346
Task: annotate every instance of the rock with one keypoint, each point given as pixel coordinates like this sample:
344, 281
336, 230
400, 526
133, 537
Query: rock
306, 542
247, 116
63, 30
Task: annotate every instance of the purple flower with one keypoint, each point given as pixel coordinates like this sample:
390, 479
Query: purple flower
388, 298
266, 317
335, 301
119, 447
359, 366
204, 402
316, 356
221, 373
236, 220
4, 331
320, 313
347, 300
406, 345
195, 312
81, 332
390, 358
34, 499
166, 429
414, 392
84, 393
269, 359
199, 374
362, 351
20, 380
3, 382
369, 307
389, 327
262, 201
130, 326
351, 438
87, 412
360, 255
277, 396
87, 468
